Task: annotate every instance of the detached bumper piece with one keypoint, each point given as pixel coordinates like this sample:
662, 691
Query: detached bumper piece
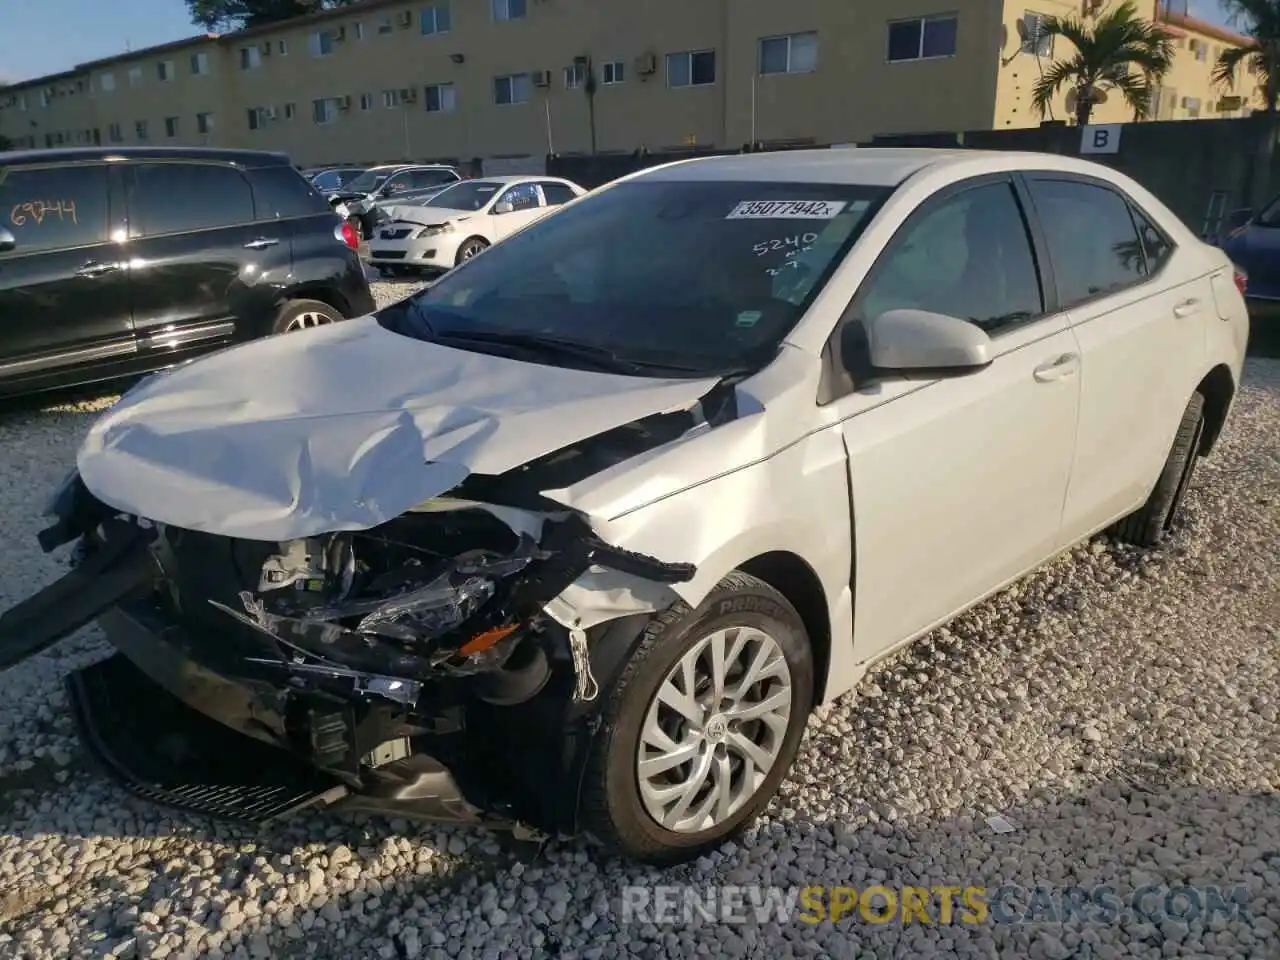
164, 752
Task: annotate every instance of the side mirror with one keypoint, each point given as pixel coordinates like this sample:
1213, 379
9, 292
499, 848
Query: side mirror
503, 206
7, 240
920, 342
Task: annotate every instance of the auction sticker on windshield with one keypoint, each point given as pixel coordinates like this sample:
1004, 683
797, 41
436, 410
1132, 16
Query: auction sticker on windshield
786, 210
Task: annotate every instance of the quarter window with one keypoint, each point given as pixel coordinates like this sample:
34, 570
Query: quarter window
1092, 239
555, 193
968, 257
921, 38
213, 196
54, 208
1155, 245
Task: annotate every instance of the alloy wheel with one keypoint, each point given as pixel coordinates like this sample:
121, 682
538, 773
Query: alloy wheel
306, 320
714, 729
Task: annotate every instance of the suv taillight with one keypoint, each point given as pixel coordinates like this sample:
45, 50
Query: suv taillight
1241, 278
347, 234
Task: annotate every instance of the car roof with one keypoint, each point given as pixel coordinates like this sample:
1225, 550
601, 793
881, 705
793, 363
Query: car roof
243, 158
868, 166
518, 177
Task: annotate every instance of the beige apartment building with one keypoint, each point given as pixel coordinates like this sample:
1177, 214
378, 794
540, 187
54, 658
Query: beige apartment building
392, 79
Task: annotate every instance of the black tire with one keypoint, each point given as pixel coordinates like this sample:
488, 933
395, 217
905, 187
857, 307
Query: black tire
469, 248
612, 810
296, 312
1148, 525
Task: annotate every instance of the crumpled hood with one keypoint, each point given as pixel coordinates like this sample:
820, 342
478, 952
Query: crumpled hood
342, 427
427, 216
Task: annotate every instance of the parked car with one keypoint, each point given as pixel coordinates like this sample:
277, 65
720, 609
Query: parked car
1253, 243
334, 178
568, 538
357, 197
462, 220
116, 261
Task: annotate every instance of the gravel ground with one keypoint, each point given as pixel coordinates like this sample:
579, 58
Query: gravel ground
1118, 709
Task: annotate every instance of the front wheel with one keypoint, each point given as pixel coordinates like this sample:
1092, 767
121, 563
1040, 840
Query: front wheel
702, 726
470, 247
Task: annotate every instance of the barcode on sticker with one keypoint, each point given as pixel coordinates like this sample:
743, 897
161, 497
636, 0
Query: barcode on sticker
786, 210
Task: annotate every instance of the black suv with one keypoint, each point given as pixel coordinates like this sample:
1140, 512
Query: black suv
115, 262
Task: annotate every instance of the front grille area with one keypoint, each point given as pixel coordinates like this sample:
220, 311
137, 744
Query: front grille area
386, 254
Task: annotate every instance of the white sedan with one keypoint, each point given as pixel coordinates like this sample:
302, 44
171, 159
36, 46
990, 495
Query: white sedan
463, 219
577, 537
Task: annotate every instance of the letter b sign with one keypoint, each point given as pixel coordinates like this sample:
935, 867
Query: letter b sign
1100, 137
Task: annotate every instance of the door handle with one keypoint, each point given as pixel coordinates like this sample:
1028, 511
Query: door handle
1057, 368
261, 243
1187, 307
93, 268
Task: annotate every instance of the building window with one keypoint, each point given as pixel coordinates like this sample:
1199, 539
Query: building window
250, 58
114, 133
170, 127
797, 53
282, 48
508, 9
199, 64
106, 83
514, 88
615, 71
321, 43
1035, 42
692, 69
366, 101
140, 129
390, 99
204, 123
922, 38
358, 27
1192, 106
575, 76
324, 111
290, 111
386, 26
435, 18
135, 76
440, 98
1200, 49
255, 118
164, 70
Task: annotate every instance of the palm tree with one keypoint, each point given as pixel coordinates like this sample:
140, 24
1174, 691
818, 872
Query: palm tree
1260, 21
1120, 50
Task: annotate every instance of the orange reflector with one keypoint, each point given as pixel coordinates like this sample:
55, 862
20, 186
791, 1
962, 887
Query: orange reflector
483, 641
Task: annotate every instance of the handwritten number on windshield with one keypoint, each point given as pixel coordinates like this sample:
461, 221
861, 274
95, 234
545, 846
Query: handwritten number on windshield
37, 211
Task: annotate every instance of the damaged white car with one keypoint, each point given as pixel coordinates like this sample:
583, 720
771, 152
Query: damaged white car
576, 538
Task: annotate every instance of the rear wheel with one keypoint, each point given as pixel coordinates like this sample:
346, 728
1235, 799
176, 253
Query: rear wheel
470, 247
303, 314
702, 726
1149, 524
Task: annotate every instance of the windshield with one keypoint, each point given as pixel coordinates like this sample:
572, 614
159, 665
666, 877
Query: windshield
368, 181
704, 276
467, 195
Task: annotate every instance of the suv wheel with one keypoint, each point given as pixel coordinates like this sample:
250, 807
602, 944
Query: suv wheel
702, 726
303, 314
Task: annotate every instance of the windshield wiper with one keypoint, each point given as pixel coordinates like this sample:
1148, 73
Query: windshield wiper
600, 358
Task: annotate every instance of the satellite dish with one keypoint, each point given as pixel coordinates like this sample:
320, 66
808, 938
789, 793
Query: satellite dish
1099, 96
1022, 29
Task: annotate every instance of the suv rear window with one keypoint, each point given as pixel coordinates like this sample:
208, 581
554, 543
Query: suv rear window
52, 208
282, 192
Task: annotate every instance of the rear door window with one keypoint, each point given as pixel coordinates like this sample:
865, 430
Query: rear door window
1092, 238
555, 193
54, 208
168, 198
423, 179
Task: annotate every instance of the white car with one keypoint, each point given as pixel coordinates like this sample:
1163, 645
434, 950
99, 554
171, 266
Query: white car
463, 219
577, 537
